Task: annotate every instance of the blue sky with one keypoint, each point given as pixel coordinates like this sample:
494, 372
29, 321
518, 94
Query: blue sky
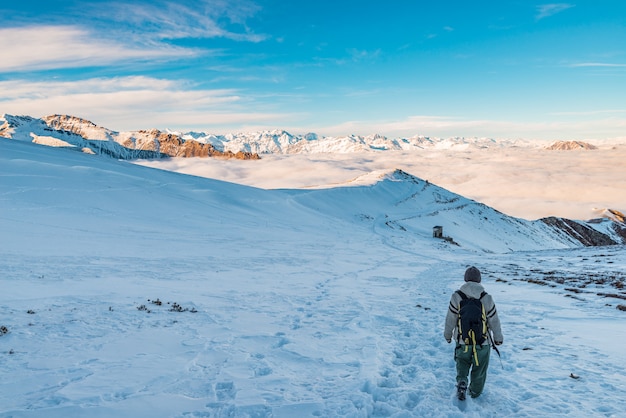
503, 69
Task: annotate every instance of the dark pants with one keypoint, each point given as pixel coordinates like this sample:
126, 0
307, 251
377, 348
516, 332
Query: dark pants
466, 365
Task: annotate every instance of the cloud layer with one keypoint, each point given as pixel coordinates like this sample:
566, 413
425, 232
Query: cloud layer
523, 182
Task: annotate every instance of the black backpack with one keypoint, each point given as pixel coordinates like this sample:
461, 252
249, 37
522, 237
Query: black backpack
472, 323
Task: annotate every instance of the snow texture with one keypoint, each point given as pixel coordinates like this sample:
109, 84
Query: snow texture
130, 291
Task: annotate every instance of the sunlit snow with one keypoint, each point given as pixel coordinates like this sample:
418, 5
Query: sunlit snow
130, 291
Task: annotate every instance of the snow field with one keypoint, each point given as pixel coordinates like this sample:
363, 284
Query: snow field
291, 306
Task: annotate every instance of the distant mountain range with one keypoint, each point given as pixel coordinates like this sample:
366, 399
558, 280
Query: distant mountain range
83, 135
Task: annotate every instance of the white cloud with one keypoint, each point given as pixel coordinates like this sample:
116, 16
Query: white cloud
124, 32
591, 112
53, 47
547, 10
522, 181
131, 103
363, 55
597, 64
567, 126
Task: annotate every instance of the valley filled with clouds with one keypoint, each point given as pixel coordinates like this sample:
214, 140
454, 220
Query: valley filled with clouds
525, 182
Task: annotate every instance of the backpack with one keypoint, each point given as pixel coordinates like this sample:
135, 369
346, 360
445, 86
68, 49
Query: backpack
472, 322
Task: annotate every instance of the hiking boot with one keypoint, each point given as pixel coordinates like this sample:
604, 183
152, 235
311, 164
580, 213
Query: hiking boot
461, 387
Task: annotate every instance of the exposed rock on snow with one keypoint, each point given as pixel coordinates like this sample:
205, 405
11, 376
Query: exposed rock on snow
571, 145
243, 145
583, 232
89, 137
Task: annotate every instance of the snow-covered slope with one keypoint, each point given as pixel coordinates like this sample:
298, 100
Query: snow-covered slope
130, 291
401, 204
396, 204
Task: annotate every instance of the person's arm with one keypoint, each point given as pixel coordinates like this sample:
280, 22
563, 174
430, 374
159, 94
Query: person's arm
493, 321
451, 318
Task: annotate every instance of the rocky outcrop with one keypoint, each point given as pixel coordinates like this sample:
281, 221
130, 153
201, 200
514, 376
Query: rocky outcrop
616, 215
82, 127
586, 234
86, 135
571, 145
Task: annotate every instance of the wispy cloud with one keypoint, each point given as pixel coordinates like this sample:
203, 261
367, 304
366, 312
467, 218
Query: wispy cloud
130, 103
569, 126
363, 55
592, 112
597, 64
121, 32
52, 47
193, 19
547, 10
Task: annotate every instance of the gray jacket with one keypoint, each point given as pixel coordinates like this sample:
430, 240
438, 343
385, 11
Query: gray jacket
472, 290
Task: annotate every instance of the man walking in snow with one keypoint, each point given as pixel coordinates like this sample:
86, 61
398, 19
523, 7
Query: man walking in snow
472, 348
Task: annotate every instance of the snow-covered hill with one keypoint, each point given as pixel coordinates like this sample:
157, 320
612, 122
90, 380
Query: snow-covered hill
130, 291
412, 207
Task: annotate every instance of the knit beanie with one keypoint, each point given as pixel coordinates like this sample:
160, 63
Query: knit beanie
472, 274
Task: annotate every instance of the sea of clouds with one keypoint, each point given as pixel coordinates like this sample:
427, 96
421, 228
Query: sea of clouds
529, 183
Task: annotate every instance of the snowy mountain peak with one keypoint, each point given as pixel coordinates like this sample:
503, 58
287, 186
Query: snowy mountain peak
84, 128
86, 136
612, 214
397, 202
571, 145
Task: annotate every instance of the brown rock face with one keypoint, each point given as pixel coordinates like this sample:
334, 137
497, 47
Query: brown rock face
164, 143
581, 232
571, 145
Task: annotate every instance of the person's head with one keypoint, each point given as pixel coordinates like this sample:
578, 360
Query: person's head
472, 274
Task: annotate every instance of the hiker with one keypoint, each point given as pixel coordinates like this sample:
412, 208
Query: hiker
472, 348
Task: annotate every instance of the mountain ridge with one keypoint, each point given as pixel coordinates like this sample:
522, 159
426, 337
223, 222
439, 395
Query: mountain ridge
81, 134
154, 143
408, 204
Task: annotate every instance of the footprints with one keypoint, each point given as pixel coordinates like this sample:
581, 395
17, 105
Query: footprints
225, 391
323, 291
226, 405
260, 367
401, 358
405, 376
